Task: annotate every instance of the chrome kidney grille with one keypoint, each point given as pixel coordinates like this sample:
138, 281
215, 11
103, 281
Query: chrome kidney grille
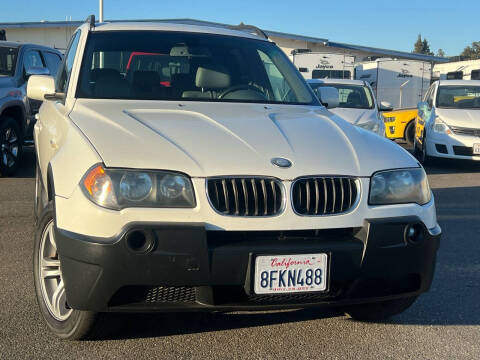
246, 196
315, 196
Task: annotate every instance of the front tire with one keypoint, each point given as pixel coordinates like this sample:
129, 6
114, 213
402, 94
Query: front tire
380, 310
10, 146
65, 322
421, 152
410, 133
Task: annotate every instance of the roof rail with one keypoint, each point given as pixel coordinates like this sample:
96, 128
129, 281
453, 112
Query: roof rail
248, 28
91, 21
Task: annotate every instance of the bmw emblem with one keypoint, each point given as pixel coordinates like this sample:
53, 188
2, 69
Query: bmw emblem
281, 162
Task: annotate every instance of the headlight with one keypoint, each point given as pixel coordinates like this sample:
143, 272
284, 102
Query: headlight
389, 118
441, 127
399, 187
118, 189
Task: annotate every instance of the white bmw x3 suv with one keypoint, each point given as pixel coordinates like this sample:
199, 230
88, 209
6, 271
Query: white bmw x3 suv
192, 168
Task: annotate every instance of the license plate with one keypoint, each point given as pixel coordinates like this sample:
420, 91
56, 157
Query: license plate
476, 149
279, 274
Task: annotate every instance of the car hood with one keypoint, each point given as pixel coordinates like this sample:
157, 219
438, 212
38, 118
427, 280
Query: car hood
469, 118
208, 139
355, 116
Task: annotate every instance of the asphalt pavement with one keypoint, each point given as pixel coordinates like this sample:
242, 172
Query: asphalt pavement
442, 324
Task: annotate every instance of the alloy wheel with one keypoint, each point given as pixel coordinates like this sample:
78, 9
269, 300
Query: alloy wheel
50, 274
9, 147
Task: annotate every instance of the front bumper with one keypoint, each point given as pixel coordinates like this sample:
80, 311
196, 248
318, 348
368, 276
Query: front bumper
452, 146
190, 268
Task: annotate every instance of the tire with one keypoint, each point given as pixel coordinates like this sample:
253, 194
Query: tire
63, 321
11, 148
410, 133
380, 310
421, 152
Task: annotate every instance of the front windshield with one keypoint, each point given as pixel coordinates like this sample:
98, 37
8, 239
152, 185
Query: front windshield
8, 60
154, 65
349, 96
458, 97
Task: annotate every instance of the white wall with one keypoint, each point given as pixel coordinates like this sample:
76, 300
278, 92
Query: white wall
56, 37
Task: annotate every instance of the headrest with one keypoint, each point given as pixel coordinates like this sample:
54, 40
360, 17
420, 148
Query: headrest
353, 97
212, 77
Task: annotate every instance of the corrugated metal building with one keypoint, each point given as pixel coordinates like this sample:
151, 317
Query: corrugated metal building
57, 33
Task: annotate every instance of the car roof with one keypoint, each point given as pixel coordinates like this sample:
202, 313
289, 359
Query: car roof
459, 82
10, 44
155, 26
336, 81
18, 45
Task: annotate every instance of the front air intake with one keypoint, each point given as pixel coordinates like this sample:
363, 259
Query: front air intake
246, 196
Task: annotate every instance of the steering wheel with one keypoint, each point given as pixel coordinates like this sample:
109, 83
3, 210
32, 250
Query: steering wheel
241, 87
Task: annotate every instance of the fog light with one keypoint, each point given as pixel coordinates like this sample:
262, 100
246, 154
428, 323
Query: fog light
140, 242
414, 234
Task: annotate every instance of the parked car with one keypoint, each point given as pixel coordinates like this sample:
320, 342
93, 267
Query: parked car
18, 62
402, 84
232, 188
356, 103
400, 124
448, 123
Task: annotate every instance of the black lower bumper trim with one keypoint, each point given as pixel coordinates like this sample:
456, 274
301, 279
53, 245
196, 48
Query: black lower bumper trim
190, 268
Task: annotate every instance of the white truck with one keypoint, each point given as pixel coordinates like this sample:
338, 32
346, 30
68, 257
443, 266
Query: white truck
457, 70
317, 65
402, 83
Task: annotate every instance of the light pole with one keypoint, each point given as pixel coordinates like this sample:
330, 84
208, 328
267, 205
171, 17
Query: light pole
100, 5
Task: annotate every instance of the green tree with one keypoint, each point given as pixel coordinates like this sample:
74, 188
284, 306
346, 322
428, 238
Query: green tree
422, 46
440, 53
471, 52
426, 47
418, 46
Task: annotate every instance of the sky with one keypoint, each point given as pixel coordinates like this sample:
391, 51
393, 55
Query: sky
386, 24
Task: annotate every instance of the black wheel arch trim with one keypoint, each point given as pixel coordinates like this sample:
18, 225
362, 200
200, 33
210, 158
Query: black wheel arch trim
16, 103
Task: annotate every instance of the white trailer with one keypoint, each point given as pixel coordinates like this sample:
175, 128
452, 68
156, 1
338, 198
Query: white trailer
457, 70
316, 65
402, 83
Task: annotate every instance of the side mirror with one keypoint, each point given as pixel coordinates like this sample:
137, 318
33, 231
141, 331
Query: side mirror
422, 104
40, 86
423, 107
385, 106
36, 71
328, 96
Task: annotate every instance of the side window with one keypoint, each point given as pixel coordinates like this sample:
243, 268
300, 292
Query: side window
455, 75
63, 74
32, 59
53, 62
475, 75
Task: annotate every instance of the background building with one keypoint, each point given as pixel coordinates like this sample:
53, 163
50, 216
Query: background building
57, 34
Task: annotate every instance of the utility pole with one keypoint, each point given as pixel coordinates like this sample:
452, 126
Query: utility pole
100, 5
